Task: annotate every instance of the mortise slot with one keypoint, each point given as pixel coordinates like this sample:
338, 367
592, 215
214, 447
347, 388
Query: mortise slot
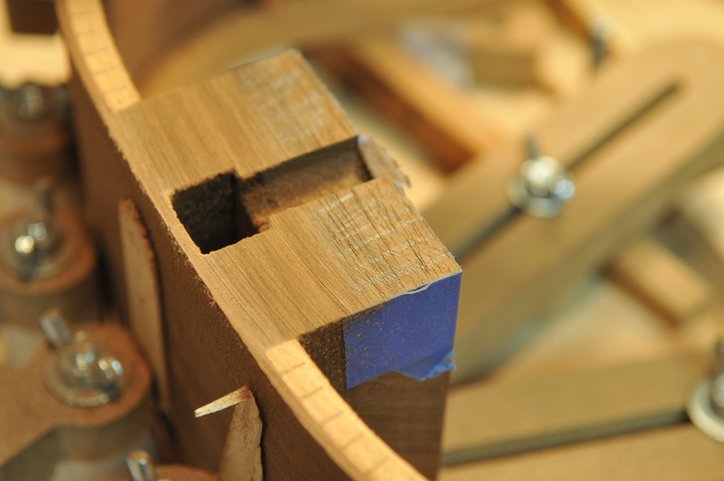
225, 209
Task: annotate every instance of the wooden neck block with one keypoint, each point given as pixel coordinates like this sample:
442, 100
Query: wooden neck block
270, 225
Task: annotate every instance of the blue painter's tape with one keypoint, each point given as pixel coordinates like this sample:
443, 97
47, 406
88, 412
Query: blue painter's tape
412, 334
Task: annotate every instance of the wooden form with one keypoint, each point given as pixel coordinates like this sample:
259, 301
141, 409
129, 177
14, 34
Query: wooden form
254, 267
518, 268
493, 419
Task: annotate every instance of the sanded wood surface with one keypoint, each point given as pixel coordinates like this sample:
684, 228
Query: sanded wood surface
491, 419
661, 281
235, 312
680, 453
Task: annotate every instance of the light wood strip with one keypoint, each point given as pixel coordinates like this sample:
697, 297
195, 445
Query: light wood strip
491, 419
679, 453
661, 281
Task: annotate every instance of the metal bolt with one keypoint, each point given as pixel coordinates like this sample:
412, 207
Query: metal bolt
30, 102
717, 379
25, 250
542, 186
55, 328
706, 405
141, 467
600, 34
36, 238
80, 373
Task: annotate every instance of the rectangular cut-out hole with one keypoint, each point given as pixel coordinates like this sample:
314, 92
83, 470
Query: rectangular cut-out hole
225, 209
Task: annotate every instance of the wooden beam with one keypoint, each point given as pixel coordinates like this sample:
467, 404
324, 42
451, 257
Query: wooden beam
492, 419
661, 281
680, 453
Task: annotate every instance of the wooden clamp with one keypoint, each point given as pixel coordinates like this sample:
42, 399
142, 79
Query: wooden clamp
517, 267
279, 242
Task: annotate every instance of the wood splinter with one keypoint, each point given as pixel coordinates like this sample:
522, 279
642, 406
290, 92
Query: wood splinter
241, 458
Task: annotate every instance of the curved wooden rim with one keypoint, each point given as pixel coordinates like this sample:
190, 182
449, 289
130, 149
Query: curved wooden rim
218, 44
320, 409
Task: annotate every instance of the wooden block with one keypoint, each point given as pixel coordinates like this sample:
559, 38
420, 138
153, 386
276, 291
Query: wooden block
518, 268
492, 419
661, 281
680, 453
267, 228
413, 96
505, 44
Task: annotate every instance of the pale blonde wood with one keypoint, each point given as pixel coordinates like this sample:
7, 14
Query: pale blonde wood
239, 277
491, 419
144, 296
679, 453
661, 281
241, 460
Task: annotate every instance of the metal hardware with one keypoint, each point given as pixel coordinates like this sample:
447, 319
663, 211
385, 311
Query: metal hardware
31, 103
600, 34
706, 405
542, 186
35, 238
80, 373
141, 466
